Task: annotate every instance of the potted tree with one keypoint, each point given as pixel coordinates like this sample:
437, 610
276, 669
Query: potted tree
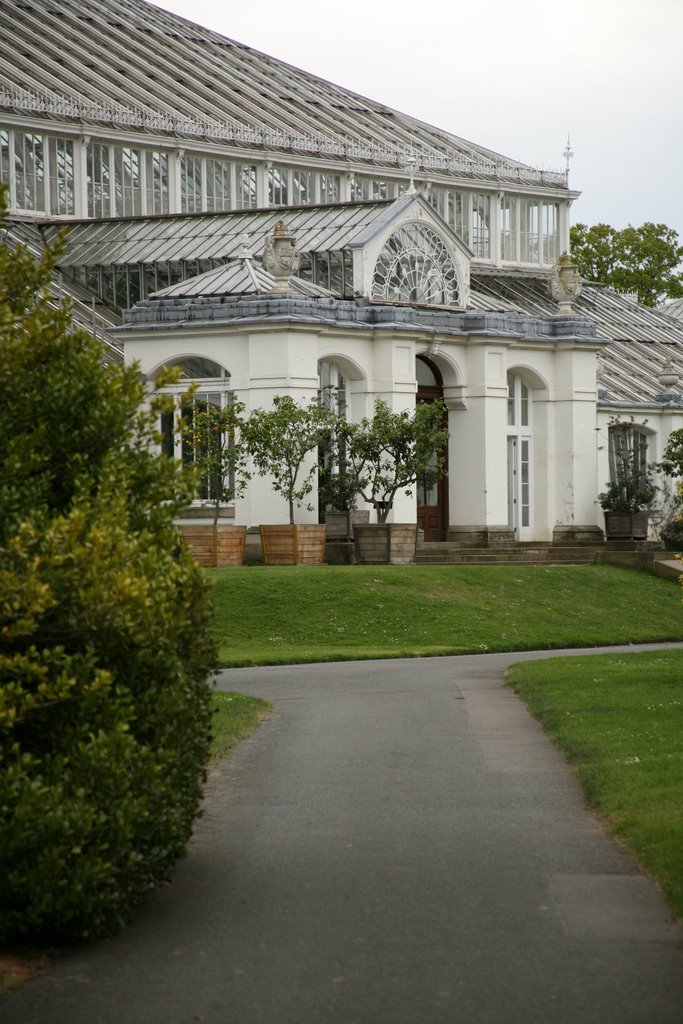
667, 516
669, 521
214, 443
628, 496
282, 441
338, 495
385, 454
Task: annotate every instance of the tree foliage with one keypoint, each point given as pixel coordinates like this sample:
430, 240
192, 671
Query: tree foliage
390, 451
632, 488
281, 439
672, 457
104, 629
645, 260
216, 440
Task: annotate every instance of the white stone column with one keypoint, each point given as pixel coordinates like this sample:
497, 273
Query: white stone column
393, 381
574, 483
174, 184
478, 496
81, 175
280, 363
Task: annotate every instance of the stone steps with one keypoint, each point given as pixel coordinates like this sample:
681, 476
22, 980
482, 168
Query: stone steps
445, 553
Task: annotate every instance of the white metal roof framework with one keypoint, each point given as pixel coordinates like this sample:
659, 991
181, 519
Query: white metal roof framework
124, 68
159, 73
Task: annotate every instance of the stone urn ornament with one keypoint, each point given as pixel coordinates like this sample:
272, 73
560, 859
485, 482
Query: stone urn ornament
281, 257
565, 284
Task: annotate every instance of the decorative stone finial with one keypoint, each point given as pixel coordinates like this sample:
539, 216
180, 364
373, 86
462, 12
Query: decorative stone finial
411, 165
280, 257
245, 252
565, 284
668, 377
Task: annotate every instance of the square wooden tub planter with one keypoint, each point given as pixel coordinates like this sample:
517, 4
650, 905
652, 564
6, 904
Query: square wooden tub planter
213, 546
393, 543
340, 524
626, 525
297, 544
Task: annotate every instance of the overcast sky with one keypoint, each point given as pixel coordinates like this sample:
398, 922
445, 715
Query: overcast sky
516, 76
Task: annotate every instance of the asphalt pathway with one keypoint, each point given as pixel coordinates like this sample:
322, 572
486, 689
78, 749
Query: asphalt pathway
397, 844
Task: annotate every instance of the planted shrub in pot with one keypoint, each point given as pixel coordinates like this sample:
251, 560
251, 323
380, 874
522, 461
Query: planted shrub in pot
669, 523
282, 441
627, 499
338, 494
668, 516
213, 438
386, 454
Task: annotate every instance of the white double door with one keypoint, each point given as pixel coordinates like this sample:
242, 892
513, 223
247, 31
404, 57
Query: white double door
520, 487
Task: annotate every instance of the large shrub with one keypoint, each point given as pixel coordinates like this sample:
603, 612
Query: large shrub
104, 629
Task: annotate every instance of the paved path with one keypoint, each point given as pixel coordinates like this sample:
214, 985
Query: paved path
397, 844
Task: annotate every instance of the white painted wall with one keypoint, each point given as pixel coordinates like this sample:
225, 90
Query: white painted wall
569, 467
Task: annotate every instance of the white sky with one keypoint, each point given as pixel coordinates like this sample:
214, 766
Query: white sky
514, 75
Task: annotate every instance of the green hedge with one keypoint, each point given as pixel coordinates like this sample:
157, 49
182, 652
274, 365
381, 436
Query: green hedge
104, 631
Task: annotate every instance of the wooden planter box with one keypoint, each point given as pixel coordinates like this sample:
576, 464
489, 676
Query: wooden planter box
626, 525
293, 545
340, 524
222, 545
385, 542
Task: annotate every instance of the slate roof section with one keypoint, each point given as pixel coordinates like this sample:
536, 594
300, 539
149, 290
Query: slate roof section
165, 313
128, 64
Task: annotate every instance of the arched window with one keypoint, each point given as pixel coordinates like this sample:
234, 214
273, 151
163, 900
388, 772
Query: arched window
332, 387
416, 266
213, 391
520, 456
432, 495
627, 452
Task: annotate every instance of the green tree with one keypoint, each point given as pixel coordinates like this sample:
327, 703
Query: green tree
281, 441
214, 438
644, 260
105, 646
672, 458
390, 451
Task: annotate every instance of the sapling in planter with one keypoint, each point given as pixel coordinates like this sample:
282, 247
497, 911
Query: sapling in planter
391, 451
214, 442
387, 454
281, 441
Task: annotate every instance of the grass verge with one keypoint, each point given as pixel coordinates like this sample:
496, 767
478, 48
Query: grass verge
285, 614
235, 716
17, 966
619, 721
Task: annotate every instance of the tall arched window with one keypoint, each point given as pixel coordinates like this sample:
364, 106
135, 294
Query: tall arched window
332, 387
520, 456
331, 457
213, 391
627, 452
416, 266
432, 496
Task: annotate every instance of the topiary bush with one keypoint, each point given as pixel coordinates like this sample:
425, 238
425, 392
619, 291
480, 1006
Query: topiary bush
105, 644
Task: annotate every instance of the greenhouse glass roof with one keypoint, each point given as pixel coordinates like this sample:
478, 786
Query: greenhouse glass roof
131, 66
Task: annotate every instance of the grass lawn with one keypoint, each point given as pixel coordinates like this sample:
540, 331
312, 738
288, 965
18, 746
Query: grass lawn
235, 716
279, 614
619, 720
